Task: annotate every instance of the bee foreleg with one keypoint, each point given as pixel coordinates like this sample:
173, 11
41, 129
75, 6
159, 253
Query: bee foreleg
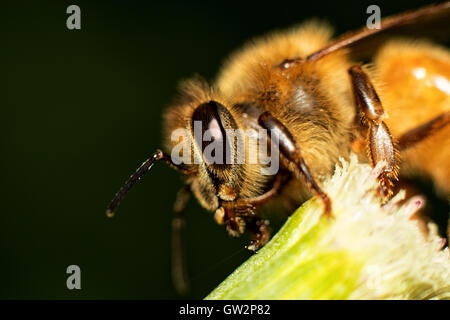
380, 142
418, 134
231, 214
179, 269
290, 150
243, 211
260, 230
273, 191
240, 215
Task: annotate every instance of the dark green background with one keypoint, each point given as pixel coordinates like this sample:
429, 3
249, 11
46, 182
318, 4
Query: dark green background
82, 109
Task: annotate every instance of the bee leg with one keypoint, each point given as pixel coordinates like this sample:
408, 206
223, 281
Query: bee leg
179, 269
380, 142
416, 135
240, 216
290, 150
241, 213
280, 179
260, 231
230, 214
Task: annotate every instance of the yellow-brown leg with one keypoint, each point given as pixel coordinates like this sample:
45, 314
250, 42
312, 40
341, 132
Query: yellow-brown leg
418, 134
379, 139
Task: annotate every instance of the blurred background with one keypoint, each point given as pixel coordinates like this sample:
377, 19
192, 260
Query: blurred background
81, 110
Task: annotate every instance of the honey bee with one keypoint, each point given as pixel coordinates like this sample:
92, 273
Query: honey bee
319, 104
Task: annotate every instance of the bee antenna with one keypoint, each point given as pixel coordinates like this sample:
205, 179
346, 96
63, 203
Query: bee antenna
158, 155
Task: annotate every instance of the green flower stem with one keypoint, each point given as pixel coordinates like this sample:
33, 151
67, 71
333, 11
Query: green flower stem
366, 251
291, 255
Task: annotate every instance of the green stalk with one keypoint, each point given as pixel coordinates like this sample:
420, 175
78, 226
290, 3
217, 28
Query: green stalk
366, 251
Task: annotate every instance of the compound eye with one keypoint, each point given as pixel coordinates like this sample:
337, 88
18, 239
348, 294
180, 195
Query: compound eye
215, 129
209, 132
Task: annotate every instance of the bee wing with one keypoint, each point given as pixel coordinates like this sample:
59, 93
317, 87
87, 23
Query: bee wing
431, 21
